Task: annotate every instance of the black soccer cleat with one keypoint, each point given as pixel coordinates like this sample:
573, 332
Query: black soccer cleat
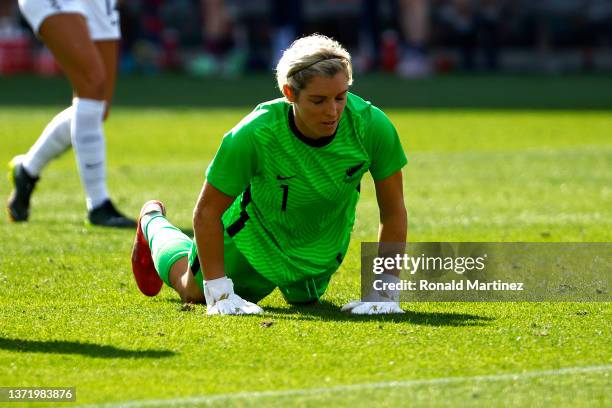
18, 204
106, 215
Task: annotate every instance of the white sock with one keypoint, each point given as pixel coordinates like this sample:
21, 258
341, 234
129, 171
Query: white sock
53, 141
89, 147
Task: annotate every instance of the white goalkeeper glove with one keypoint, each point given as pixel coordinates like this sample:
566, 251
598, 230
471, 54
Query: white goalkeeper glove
377, 301
221, 299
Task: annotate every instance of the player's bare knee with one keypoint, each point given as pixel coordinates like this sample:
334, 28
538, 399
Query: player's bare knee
181, 288
188, 289
92, 84
98, 83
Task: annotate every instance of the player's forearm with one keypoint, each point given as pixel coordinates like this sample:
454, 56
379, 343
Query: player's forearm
393, 227
392, 235
208, 231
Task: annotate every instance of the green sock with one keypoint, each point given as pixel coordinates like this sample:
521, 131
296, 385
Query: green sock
168, 244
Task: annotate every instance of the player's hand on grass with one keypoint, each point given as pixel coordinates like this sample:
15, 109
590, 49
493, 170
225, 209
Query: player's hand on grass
372, 308
221, 299
233, 305
377, 301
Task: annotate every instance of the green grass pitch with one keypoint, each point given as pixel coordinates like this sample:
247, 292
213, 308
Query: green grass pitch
71, 315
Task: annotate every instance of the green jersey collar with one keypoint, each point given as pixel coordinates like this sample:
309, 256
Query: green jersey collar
320, 142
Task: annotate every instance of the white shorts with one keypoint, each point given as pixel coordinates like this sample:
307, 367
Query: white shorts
102, 15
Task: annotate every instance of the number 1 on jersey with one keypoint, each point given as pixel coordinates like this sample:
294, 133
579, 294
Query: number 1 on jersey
285, 188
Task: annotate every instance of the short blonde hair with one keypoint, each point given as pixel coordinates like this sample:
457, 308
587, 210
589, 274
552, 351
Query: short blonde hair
311, 56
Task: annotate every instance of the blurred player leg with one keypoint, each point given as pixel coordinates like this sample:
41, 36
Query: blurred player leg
68, 38
68, 29
56, 138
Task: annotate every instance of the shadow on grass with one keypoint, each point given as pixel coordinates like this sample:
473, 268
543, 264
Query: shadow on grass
75, 347
327, 311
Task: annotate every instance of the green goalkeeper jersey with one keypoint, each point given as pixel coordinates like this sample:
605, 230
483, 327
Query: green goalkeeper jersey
296, 197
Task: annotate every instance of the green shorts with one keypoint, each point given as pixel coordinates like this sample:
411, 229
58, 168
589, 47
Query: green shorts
251, 285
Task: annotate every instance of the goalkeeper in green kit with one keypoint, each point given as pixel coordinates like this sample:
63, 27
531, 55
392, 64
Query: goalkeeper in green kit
278, 205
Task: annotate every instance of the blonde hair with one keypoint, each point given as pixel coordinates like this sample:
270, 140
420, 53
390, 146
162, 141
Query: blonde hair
311, 56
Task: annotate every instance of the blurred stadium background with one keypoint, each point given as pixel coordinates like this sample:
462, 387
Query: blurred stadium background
409, 38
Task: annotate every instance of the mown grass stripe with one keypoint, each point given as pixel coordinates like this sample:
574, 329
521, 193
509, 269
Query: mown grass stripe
351, 387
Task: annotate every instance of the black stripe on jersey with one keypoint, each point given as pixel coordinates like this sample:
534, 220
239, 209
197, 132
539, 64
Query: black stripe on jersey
195, 266
239, 224
320, 142
350, 172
